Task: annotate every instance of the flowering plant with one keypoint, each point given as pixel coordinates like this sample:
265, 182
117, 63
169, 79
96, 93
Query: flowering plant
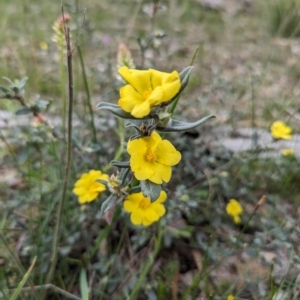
144, 101
279, 130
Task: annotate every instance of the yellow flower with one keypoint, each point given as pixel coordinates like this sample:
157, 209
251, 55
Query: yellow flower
146, 89
234, 209
142, 210
279, 130
152, 158
288, 152
230, 297
87, 188
43, 45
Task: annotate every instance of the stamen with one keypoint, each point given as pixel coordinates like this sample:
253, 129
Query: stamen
151, 157
145, 203
147, 93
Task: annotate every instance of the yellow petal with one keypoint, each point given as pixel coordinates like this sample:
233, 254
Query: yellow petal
137, 146
150, 214
158, 78
162, 197
79, 190
161, 173
142, 169
129, 97
147, 222
136, 218
159, 209
130, 206
167, 154
237, 219
141, 110
140, 80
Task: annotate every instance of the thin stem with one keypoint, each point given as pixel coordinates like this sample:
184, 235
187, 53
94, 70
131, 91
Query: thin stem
88, 95
148, 265
69, 157
63, 91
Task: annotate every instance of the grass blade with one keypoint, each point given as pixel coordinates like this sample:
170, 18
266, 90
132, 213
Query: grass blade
23, 281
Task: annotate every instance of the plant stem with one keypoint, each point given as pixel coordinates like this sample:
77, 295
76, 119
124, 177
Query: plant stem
148, 265
88, 95
63, 91
69, 158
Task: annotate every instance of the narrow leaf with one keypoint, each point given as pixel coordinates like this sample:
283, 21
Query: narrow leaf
184, 77
22, 82
116, 110
150, 189
177, 126
120, 164
23, 281
135, 189
84, 289
108, 204
8, 81
23, 111
4, 90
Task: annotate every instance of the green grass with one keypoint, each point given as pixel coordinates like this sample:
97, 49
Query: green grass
241, 74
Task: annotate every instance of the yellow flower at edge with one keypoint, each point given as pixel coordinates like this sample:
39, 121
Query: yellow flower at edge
146, 89
234, 209
288, 152
43, 45
142, 210
87, 188
152, 158
279, 130
230, 297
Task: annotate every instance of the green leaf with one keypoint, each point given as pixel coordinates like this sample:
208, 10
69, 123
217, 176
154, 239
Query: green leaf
23, 281
131, 124
177, 126
184, 77
120, 164
116, 110
41, 104
108, 204
8, 81
24, 111
104, 182
84, 289
135, 136
22, 82
123, 175
4, 90
150, 189
135, 189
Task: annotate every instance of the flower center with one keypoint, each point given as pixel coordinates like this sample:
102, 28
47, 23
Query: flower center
94, 187
150, 157
147, 93
145, 203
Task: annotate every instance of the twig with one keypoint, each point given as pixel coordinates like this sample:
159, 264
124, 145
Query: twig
69, 156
